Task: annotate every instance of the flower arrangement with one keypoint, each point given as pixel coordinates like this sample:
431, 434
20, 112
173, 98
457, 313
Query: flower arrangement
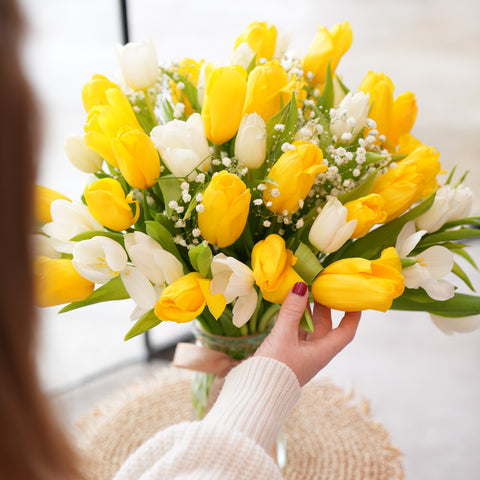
216, 188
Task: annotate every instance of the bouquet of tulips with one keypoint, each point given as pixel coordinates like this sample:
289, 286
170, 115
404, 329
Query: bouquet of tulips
214, 189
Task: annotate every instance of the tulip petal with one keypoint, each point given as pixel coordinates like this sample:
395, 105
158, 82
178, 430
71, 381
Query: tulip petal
244, 308
139, 288
449, 326
438, 289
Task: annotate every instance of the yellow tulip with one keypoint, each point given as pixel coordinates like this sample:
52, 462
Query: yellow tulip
93, 92
223, 102
355, 284
104, 121
183, 300
367, 211
407, 144
403, 117
56, 282
272, 266
327, 46
261, 37
107, 204
411, 179
380, 88
191, 69
44, 197
294, 173
267, 90
226, 203
393, 118
137, 157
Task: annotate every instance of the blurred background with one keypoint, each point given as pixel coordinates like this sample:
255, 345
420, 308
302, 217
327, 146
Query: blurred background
422, 384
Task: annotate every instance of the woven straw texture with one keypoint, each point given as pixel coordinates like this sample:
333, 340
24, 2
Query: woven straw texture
330, 434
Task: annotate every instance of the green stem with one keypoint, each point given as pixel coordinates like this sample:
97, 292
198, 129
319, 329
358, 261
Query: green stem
150, 107
252, 324
267, 317
146, 210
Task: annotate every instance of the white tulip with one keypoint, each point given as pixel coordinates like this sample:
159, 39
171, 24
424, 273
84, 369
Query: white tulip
449, 204
139, 311
350, 117
282, 42
234, 280
157, 264
68, 220
99, 259
242, 55
43, 246
251, 141
80, 155
330, 230
201, 85
433, 264
183, 146
449, 326
139, 64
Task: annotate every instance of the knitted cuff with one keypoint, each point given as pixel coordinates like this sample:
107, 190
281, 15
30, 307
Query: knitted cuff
256, 398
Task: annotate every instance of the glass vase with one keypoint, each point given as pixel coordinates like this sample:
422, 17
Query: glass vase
237, 348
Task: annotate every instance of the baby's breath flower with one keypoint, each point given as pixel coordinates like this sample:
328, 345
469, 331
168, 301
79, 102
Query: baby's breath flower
200, 208
258, 201
275, 192
196, 232
198, 197
267, 223
200, 178
185, 186
261, 187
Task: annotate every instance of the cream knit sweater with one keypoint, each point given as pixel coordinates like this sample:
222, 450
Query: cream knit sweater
232, 441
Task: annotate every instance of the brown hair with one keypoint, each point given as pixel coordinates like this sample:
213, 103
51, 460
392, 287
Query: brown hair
31, 444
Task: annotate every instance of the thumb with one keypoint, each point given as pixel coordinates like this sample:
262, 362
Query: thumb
292, 310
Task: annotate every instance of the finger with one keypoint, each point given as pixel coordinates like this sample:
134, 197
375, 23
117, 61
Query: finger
291, 311
322, 321
341, 336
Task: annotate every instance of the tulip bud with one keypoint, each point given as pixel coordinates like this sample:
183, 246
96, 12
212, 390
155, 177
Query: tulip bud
327, 46
380, 88
183, 146
139, 64
82, 157
57, 282
272, 265
261, 37
404, 113
294, 173
251, 141
107, 203
355, 284
267, 90
242, 55
350, 117
330, 230
137, 157
44, 197
449, 204
411, 179
367, 211
104, 121
223, 101
94, 91
185, 299
226, 201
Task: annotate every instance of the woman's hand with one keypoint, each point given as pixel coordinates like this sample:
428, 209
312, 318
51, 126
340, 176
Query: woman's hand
306, 353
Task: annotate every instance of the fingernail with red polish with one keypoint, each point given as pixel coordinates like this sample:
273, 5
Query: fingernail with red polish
300, 289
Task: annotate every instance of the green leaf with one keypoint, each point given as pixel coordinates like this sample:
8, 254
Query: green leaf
461, 305
201, 258
308, 266
252, 64
287, 116
112, 290
167, 110
328, 94
457, 270
360, 191
171, 191
461, 221
465, 255
162, 235
306, 323
342, 85
190, 91
143, 115
450, 176
118, 237
385, 236
436, 238
144, 323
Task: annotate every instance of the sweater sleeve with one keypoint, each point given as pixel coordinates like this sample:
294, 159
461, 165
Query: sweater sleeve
233, 439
